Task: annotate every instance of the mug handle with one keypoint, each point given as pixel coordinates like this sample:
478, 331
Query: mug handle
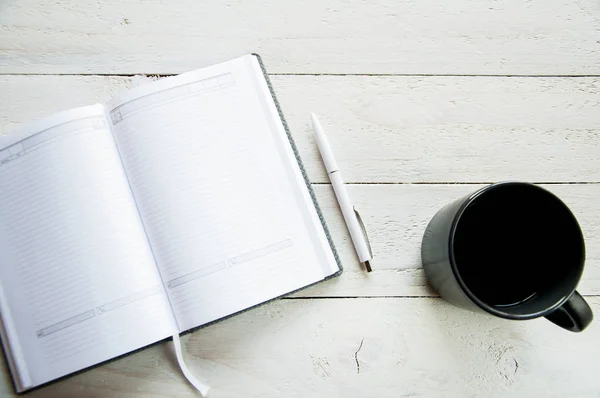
574, 315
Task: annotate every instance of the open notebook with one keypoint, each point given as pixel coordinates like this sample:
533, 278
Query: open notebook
175, 204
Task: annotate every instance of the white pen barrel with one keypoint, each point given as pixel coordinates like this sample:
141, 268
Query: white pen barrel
356, 232
323, 144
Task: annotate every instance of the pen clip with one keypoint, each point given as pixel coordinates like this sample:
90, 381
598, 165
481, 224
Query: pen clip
364, 231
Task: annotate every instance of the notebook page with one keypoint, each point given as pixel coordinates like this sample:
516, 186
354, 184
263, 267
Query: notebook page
216, 196
302, 194
78, 280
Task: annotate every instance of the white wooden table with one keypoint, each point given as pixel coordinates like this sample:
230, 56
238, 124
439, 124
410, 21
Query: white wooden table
423, 101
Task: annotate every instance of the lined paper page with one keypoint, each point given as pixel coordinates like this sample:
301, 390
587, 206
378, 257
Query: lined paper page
77, 271
220, 205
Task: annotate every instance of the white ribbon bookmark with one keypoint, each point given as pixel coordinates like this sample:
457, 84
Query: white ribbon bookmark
201, 387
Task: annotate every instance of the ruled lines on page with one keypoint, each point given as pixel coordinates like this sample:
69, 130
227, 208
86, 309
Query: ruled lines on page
215, 197
78, 273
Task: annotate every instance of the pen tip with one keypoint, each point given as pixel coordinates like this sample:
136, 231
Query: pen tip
368, 266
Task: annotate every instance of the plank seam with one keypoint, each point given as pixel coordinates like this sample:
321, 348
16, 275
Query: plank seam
379, 297
427, 75
458, 183
314, 74
356, 297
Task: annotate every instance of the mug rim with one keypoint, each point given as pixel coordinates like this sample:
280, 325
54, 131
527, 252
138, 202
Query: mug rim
481, 304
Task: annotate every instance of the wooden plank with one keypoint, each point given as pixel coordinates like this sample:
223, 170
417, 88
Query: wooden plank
357, 348
396, 216
512, 37
398, 129
440, 129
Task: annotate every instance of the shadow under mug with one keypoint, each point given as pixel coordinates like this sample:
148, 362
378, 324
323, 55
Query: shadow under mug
511, 249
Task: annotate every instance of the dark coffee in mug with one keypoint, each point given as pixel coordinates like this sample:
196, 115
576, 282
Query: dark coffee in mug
514, 242
511, 249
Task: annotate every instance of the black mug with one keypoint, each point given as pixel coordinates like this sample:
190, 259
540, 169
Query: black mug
511, 249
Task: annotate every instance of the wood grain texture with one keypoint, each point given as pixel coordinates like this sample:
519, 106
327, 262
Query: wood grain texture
388, 132
357, 348
508, 37
449, 129
398, 129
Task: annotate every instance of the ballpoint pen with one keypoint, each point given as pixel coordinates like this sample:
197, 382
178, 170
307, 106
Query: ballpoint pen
351, 216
